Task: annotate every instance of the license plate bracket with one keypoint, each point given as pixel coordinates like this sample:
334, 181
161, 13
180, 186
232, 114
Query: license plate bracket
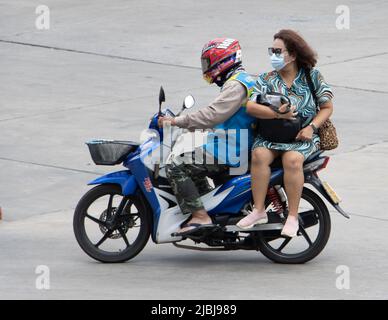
330, 191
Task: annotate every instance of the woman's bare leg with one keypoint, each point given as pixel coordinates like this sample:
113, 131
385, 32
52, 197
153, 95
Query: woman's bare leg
260, 173
293, 183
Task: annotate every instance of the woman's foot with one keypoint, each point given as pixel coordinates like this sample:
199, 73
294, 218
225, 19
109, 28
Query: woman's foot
255, 217
291, 227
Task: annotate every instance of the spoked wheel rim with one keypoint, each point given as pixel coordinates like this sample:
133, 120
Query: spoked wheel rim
108, 227
314, 230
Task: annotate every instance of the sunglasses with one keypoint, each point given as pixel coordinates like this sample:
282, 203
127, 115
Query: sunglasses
276, 51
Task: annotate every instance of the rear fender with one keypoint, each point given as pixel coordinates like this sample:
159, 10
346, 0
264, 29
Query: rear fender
313, 179
124, 179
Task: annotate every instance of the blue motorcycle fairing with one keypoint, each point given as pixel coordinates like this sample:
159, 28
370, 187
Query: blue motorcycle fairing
123, 178
144, 182
137, 177
240, 193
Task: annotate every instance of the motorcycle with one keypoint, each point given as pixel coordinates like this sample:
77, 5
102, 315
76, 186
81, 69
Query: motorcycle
114, 220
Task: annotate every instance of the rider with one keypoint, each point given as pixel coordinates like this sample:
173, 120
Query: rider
221, 64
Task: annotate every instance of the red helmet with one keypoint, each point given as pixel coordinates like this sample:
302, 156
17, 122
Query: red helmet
219, 55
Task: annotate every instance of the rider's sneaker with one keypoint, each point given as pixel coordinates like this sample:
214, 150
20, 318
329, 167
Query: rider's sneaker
255, 217
291, 227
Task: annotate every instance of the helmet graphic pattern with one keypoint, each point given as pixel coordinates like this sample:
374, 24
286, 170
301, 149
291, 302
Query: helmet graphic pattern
219, 55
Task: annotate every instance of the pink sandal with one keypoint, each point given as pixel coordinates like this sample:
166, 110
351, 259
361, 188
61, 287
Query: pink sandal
291, 227
255, 217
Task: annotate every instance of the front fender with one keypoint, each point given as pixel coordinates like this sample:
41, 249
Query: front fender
123, 178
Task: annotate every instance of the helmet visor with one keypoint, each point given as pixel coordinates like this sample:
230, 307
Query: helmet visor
205, 63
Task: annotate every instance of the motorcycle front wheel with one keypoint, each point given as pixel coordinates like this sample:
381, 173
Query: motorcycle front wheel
102, 234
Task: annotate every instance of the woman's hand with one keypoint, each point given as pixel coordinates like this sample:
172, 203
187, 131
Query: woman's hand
161, 120
306, 134
290, 115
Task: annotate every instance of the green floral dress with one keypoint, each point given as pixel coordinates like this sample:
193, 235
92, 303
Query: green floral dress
300, 95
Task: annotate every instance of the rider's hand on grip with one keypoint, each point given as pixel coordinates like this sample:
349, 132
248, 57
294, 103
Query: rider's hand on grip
166, 120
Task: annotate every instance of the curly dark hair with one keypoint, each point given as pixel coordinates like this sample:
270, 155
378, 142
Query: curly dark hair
306, 57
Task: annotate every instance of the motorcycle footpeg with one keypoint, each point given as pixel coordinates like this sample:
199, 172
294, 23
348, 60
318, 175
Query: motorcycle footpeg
258, 227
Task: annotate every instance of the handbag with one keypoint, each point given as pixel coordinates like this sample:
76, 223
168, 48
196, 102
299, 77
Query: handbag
327, 132
278, 130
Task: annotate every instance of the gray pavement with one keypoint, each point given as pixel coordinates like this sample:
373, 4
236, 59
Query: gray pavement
96, 74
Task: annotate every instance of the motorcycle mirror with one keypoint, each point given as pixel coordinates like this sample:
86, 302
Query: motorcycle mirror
162, 98
188, 102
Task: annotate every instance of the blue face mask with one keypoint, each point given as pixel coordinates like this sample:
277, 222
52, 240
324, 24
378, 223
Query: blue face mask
277, 61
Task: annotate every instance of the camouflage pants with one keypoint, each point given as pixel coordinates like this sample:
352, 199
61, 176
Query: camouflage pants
189, 182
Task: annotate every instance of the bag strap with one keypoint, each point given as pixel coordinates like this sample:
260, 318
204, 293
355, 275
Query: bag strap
311, 86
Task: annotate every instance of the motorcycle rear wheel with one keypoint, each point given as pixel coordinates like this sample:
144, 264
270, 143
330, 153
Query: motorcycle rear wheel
321, 213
